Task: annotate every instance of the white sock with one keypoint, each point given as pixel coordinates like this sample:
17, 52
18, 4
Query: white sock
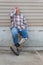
22, 40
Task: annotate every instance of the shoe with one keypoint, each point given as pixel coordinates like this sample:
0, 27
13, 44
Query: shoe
19, 48
15, 50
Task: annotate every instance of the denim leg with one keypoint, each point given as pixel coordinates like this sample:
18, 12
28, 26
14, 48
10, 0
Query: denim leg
15, 35
24, 33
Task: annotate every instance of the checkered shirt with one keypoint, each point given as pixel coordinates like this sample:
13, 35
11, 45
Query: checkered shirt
19, 21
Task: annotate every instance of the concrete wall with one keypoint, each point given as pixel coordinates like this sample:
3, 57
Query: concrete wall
33, 10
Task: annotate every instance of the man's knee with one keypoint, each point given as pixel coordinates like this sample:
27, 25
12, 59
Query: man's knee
24, 33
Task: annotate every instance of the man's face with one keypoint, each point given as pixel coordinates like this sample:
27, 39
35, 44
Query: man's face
17, 10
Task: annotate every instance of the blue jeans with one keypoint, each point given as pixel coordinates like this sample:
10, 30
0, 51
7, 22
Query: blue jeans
15, 32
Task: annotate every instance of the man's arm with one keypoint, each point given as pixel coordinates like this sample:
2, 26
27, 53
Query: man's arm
12, 17
12, 13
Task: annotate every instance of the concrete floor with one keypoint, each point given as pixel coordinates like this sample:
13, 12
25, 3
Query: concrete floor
25, 58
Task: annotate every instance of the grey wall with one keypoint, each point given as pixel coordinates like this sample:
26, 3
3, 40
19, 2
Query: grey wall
33, 10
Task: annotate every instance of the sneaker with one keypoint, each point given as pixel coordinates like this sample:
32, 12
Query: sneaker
15, 50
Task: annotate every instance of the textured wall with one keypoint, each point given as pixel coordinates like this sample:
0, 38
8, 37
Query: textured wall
33, 9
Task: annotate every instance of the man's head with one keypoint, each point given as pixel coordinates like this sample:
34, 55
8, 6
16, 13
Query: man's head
17, 10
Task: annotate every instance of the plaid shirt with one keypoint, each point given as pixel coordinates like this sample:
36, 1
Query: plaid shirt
19, 21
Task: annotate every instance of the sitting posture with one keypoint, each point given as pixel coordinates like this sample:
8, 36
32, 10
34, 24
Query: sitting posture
18, 25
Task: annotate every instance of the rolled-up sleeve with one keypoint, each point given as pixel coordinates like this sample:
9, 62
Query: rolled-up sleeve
12, 13
11, 16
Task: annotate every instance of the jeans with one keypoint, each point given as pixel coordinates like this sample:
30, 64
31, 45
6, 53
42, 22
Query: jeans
15, 32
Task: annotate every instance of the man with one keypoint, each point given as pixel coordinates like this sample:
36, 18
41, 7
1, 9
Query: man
19, 25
